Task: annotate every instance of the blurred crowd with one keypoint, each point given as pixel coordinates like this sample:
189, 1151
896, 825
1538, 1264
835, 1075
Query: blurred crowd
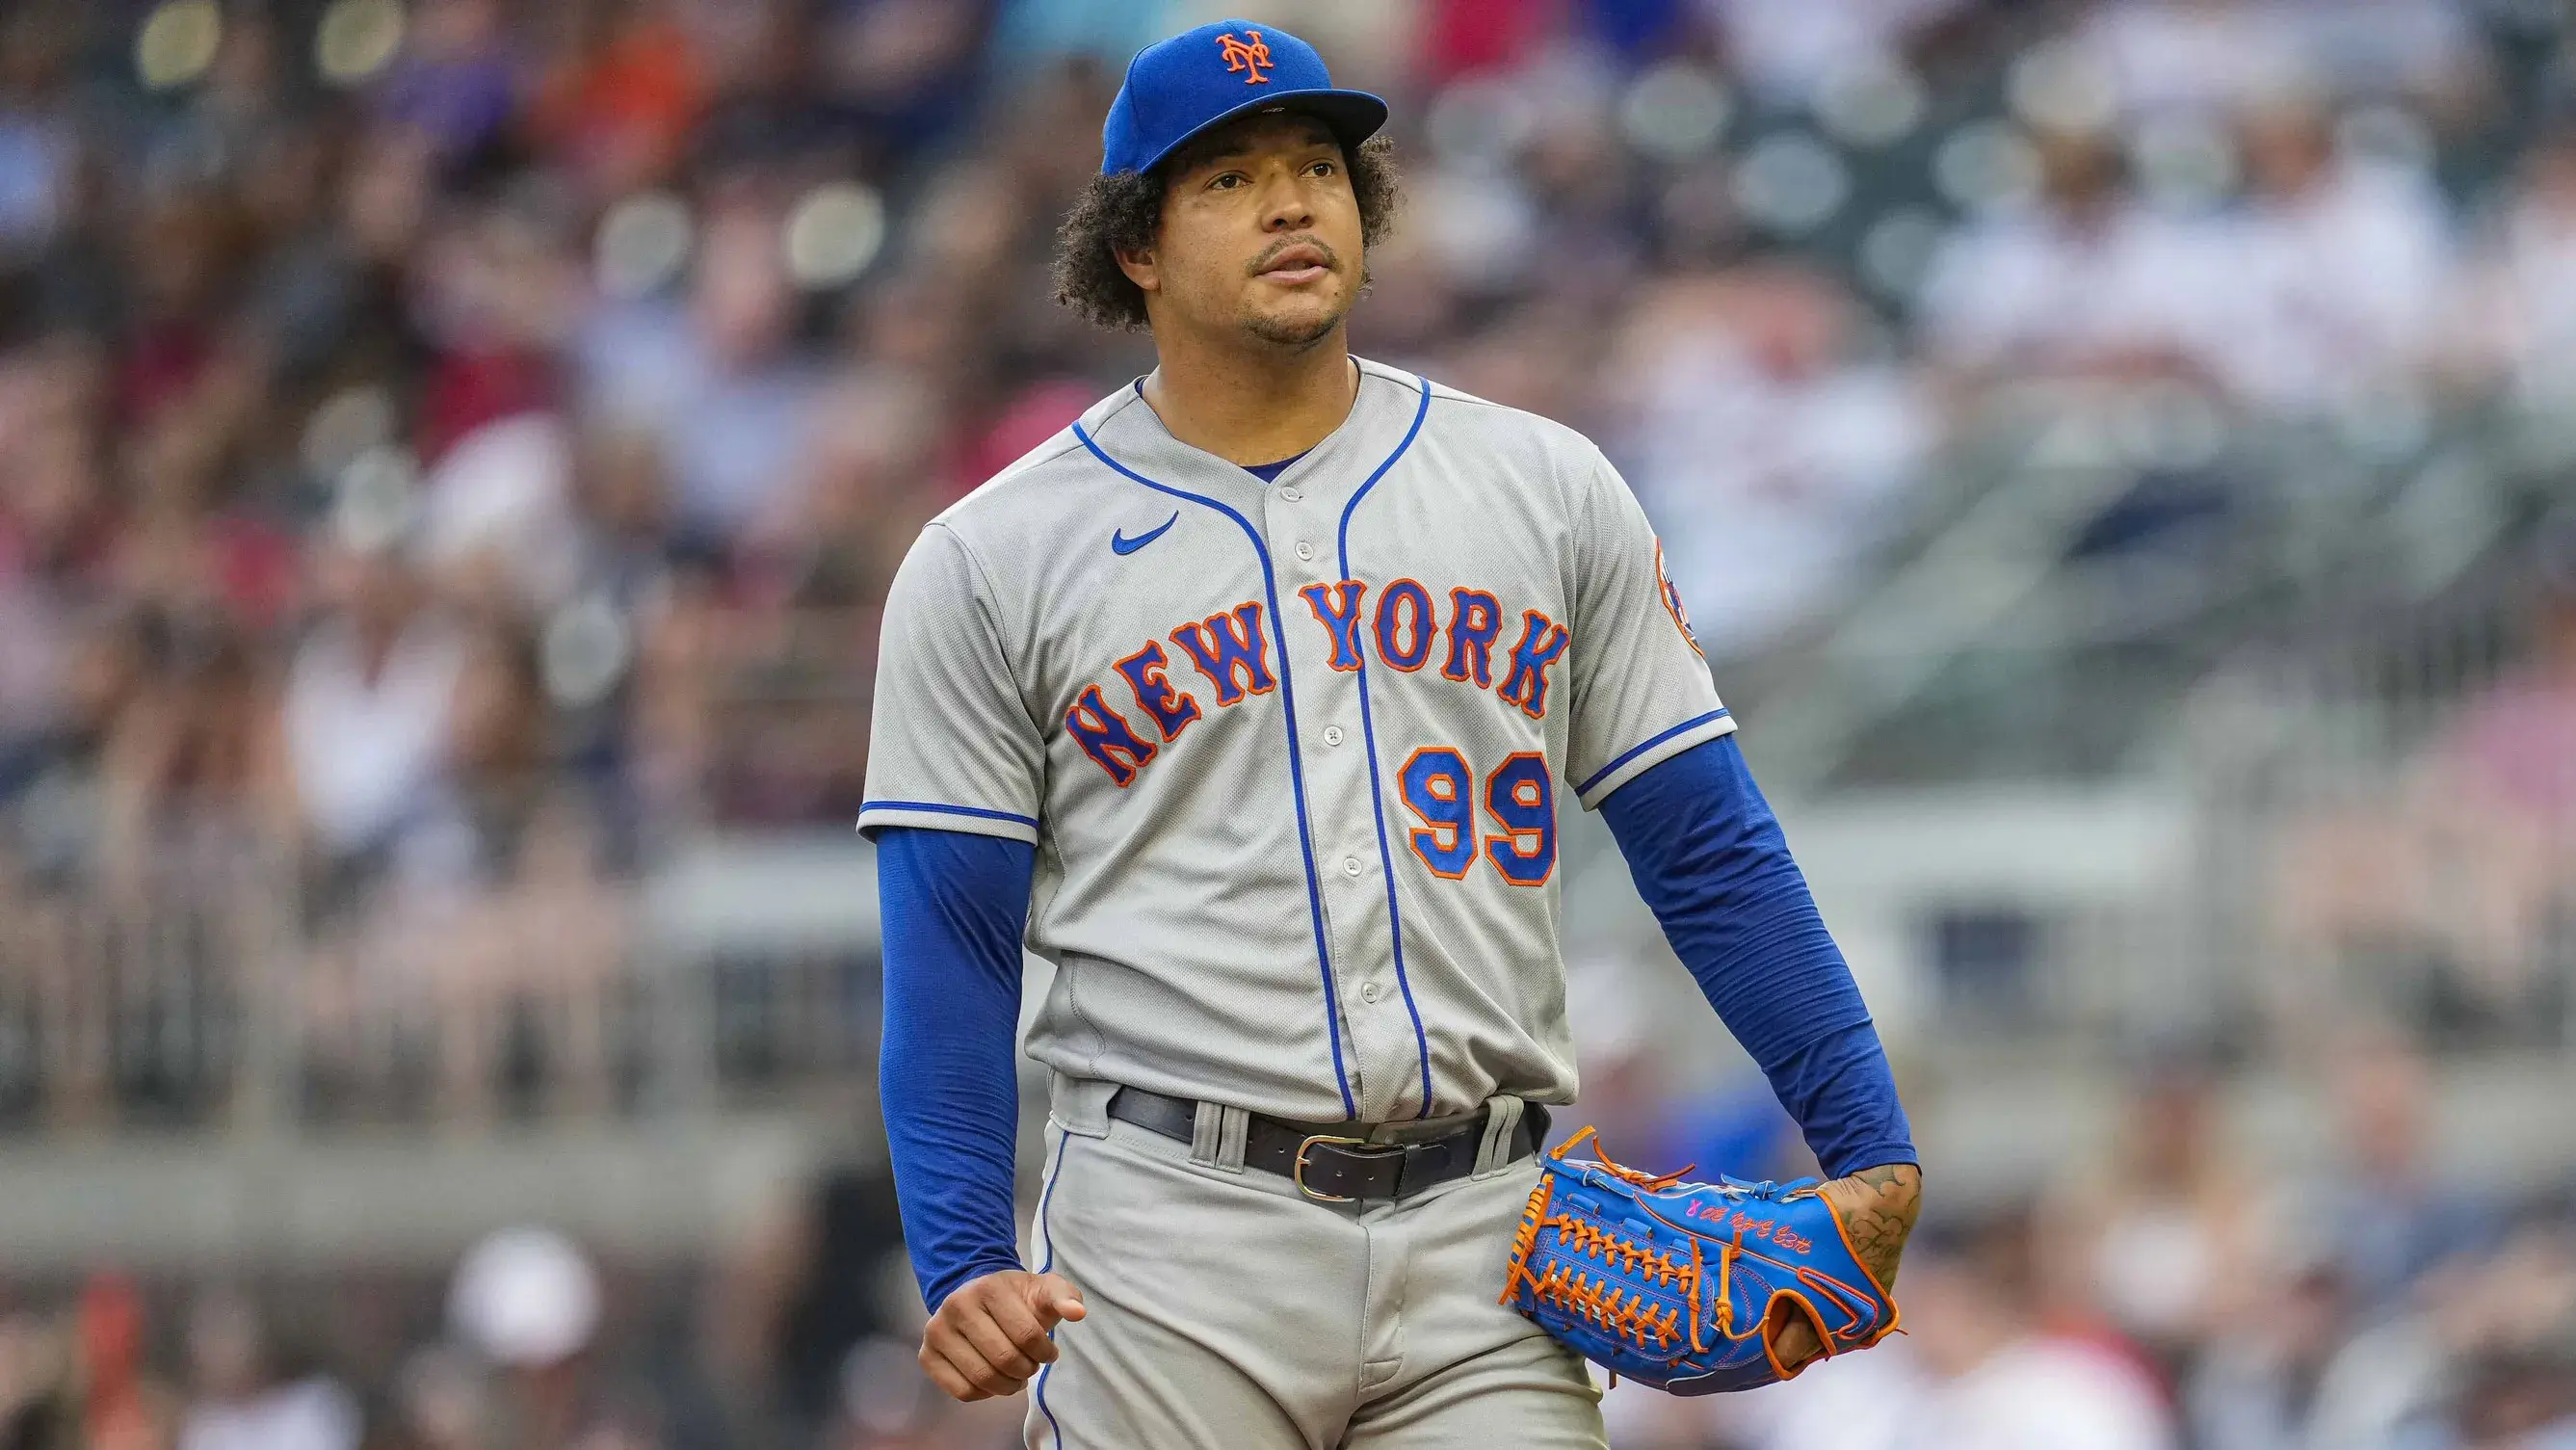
2450, 884
796, 1335
462, 442
2193, 1281
451, 450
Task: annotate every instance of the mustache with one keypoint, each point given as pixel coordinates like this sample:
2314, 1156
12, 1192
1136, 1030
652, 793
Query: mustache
1270, 254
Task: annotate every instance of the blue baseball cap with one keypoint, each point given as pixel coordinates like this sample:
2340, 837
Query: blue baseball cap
1178, 88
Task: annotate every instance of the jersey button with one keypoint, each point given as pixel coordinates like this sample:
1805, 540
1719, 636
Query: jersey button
1368, 991
1332, 735
1350, 865
1305, 550
1290, 494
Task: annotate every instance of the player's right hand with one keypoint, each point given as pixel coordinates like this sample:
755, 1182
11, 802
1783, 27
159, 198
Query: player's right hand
990, 1336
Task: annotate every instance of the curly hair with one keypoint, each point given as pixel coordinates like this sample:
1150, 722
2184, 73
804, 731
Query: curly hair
1125, 212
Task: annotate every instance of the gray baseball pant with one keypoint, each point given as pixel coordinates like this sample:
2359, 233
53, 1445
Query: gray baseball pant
1225, 1309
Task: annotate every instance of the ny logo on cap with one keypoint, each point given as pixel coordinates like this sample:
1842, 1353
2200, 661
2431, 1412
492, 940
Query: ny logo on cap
1253, 57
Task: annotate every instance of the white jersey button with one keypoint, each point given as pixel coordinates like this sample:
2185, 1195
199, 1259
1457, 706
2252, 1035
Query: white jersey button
1290, 494
1305, 550
1350, 865
1332, 735
1368, 992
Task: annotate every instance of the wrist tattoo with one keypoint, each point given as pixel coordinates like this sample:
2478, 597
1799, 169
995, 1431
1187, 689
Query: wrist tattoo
1878, 1207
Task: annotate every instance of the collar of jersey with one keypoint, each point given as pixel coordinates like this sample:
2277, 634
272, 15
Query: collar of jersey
1127, 428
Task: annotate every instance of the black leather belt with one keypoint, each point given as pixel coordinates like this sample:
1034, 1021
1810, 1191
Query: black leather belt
1329, 1165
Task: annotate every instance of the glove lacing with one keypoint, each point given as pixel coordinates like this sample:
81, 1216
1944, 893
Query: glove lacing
1614, 1307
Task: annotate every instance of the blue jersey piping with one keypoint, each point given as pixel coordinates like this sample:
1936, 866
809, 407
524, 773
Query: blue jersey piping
1046, 1200
934, 806
1641, 747
1296, 764
1368, 734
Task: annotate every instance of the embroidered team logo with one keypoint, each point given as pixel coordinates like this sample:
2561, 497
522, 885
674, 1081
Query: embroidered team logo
1673, 600
1251, 57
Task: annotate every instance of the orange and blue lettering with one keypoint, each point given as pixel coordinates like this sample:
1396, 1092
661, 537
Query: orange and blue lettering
1231, 651
1172, 710
1542, 640
1435, 786
1105, 736
1518, 797
1475, 617
1337, 608
1404, 598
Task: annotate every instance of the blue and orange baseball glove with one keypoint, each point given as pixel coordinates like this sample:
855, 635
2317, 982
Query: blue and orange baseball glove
1685, 1286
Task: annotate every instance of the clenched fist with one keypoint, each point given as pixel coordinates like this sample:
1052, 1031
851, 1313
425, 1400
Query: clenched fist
990, 1336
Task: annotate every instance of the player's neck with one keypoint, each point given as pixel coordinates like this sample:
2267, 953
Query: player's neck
1253, 407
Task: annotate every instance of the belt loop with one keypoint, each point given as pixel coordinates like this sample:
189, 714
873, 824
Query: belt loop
1234, 1130
1207, 1127
1494, 1154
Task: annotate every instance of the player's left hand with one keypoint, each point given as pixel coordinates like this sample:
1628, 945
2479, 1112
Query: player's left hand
1877, 1207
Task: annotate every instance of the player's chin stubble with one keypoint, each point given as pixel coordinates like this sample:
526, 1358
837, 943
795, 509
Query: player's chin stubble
1307, 330
1296, 332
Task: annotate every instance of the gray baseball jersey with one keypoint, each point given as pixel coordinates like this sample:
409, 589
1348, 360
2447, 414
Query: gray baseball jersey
1291, 752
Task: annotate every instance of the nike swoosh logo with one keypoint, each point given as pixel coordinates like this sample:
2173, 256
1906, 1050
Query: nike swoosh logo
1119, 543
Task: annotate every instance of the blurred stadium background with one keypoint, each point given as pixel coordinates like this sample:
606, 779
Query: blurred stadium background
2118, 455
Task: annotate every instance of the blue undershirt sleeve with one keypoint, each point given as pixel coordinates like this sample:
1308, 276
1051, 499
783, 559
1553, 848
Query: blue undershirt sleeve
954, 905
1708, 856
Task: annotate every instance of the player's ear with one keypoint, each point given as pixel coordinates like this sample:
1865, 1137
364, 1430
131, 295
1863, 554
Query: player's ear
1139, 266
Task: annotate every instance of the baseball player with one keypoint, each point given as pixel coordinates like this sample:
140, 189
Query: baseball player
1251, 701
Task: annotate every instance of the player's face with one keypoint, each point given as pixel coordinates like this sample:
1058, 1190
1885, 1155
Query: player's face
1260, 235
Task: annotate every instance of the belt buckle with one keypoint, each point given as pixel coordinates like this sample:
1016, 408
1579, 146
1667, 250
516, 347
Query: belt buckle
1297, 1171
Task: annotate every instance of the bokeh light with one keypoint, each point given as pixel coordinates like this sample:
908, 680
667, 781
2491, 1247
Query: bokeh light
1674, 112
833, 233
2060, 86
178, 42
1871, 103
643, 242
1987, 165
357, 38
1791, 182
